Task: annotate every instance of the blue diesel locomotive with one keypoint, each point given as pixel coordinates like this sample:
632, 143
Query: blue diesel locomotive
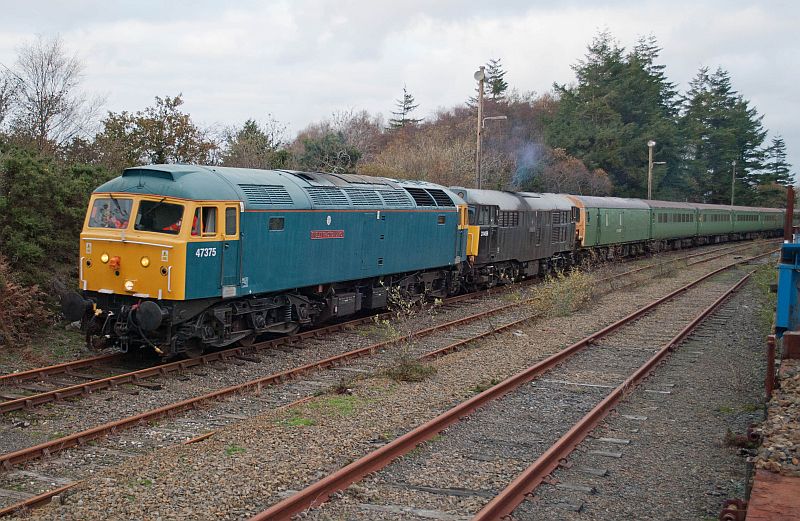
179, 258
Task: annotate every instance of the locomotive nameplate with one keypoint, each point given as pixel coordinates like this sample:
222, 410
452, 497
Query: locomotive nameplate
327, 234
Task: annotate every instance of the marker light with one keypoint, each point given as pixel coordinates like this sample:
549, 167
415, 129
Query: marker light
104, 258
128, 285
145, 261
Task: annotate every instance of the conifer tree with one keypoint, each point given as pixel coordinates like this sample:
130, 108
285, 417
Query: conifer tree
777, 169
620, 102
496, 85
405, 106
721, 127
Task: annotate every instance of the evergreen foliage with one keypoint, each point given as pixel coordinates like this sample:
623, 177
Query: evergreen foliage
719, 127
42, 206
254, 146
328, 153
405, 106
496, 85
620, 102
776, 168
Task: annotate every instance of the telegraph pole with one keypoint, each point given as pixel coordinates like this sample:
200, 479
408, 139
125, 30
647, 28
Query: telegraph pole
479, 75
650, 145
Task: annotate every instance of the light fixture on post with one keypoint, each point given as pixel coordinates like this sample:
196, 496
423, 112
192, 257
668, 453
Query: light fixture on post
650, 145
480, 77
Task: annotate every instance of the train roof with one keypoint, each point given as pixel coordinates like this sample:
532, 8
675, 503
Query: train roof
511, 201
592, 201
676, 205
264, 189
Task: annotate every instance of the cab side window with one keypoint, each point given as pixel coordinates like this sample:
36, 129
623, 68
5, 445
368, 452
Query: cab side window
230, 221
204, 223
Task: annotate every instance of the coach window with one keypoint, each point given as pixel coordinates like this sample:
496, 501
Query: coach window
230, 221
204, 222
276, 224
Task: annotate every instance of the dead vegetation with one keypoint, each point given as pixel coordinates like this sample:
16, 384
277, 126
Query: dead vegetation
22, 308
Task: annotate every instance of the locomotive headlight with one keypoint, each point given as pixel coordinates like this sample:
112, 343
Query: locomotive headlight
128, 285
104, 258
145, 261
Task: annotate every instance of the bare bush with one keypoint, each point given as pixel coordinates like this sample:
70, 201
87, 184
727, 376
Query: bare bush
22, 308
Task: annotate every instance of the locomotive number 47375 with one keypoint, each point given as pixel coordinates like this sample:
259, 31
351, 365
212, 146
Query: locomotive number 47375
206, 252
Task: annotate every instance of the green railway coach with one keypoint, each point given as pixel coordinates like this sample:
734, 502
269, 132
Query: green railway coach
713, 220
606, 221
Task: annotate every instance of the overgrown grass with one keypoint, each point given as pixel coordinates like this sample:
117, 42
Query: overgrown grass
765, 276
408, 369
339, 405
563, 293
232, 449
483, 386
297, 421
669, 269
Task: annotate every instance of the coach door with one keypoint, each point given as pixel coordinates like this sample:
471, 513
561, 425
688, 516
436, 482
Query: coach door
231, 252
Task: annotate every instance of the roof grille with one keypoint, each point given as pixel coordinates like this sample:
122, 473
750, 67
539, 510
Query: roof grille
441, 198
266, 194
421, 197
327, 196
395, 198
362, 197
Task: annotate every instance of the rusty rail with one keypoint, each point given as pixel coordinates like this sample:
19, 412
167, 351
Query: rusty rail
45, 497
42, 372
85, 388
318, 492
508, 499
10, 459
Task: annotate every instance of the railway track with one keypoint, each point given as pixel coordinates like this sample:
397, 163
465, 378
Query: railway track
278, 396
553, 403
35, 387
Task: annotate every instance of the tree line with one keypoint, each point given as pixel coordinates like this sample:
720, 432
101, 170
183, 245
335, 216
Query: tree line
587, 137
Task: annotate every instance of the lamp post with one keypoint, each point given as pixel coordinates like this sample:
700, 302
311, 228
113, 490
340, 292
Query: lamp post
480, 76
650, 145
733, 179
483, 124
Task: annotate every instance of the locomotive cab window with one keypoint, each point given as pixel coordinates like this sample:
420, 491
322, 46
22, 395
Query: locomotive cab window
109, 212
204, 222
159, 217
230, 221
276, 224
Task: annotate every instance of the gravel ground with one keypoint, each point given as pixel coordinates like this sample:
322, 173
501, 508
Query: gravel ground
309, 441
473, 460
678, 462
780, 447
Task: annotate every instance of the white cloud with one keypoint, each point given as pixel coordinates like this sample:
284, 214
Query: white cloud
301, 60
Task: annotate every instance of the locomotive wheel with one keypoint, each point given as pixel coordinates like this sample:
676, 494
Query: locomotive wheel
194, 348
247, 341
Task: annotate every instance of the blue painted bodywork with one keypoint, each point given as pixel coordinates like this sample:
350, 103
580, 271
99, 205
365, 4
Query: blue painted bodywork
335, 227
787, 314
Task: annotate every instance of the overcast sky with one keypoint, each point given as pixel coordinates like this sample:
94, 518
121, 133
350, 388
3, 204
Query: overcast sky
301, 60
